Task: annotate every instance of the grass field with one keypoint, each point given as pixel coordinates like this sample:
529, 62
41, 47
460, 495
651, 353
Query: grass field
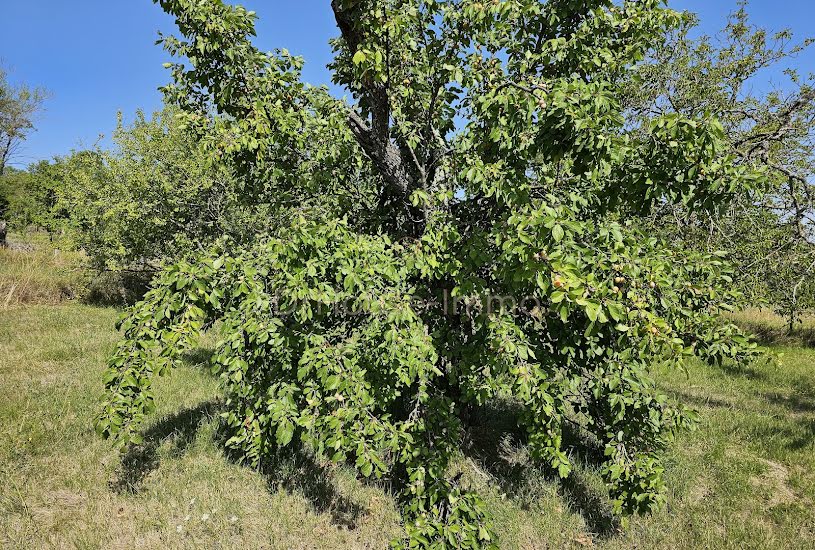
745, 479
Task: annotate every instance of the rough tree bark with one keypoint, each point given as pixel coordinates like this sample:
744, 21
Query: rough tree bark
375, 138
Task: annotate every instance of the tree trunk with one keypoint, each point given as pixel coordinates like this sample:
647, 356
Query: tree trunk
3, 224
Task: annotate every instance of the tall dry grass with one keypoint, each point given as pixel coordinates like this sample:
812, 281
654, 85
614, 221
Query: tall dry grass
40, 275
771, 329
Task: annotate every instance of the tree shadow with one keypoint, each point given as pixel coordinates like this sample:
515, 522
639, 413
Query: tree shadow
593, 505
798, 433
199, 358
702, 401
497, 444
740, 370
118, 289
793, 427
796, 403
295, 469
769, 335
795, 436
180, 429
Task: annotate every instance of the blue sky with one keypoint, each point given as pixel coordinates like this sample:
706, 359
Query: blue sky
97, 57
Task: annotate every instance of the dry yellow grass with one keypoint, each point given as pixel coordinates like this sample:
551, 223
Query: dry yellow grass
41, 275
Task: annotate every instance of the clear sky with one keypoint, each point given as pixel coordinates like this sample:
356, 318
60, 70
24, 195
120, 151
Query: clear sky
98, 57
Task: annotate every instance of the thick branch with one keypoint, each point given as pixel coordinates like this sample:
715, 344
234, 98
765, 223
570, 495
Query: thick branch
374, 138
383, 153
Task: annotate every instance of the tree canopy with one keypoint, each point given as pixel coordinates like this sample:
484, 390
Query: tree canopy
18, 106
465, 230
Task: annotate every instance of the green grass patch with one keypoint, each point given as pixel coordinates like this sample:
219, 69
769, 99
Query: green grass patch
744, 479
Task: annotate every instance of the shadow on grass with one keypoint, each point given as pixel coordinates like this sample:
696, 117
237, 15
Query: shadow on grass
703, 401
798, 429
772, 335
178, 429
497, 444
198, 358
293, 470
791, 413
796, 403
795, 435
494, 442
743, 370
117, 288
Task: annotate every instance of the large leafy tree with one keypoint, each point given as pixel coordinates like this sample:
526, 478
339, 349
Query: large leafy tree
153, 196
769, 231
492, 170
19, 104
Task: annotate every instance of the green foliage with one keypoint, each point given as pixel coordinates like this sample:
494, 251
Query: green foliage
9, 191
32, 197
494, 165
18, 106
162, 193
768, 232
153, 196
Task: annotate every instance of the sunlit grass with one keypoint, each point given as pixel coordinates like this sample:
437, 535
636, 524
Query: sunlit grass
35, 272
771, 329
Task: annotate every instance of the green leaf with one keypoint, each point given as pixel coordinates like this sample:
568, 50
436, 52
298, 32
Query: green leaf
359, 57
284, 433
593, 310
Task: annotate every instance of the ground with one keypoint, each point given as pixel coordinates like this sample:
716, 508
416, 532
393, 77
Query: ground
744, 479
